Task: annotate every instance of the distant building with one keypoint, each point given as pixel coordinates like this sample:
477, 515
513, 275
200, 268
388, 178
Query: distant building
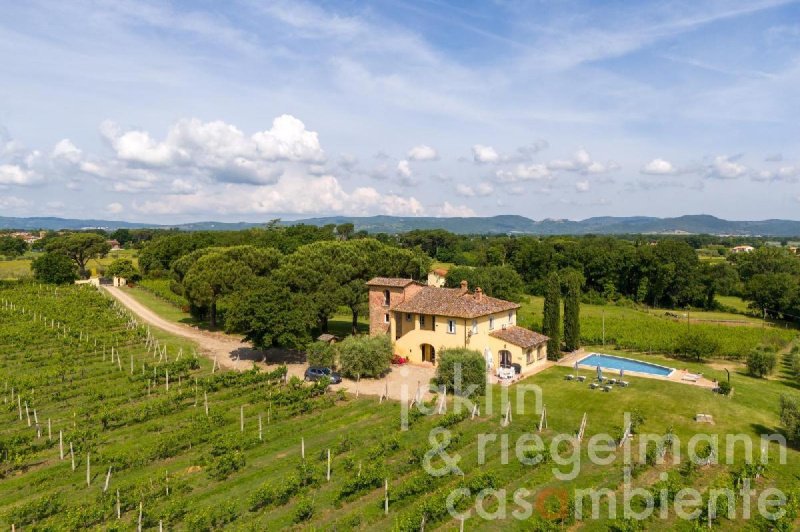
27, 237
114, 245
742, 249
437, 277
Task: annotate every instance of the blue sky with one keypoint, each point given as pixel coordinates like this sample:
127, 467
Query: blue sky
251, 110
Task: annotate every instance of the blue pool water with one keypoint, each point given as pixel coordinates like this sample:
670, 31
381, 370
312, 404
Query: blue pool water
609, 362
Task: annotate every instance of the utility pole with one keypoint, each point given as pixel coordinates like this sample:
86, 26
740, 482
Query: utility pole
604, 327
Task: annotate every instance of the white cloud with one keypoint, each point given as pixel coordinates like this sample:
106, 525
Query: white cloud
114, 208
12, 202
658, 167
219, 151
522, 172
13, 174
448, 210
789, 174
422, 153
724, 167
183, 186
484, 154
296, 193
582, 186
403, 169
65, 150
468, 191
582, 162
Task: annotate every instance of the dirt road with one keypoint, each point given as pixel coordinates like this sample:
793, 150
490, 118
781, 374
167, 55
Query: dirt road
231, 352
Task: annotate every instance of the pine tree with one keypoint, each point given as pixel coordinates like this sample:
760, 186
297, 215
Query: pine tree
551, 322
572, 311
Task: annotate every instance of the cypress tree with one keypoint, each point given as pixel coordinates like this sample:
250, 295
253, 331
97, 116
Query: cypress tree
572, 311
551, 322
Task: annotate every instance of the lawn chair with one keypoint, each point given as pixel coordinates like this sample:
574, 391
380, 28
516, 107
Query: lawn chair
593, 385
606, 388
581, 378
568, 377
624, 384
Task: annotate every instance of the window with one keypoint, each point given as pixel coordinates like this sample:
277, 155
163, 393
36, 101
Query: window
387, 296
451, 326
409, 317
491, 323
529, 356
511, 318
474, 326
422, 320
385, 318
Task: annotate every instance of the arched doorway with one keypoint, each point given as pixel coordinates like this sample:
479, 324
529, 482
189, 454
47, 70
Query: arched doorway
428, 353
505, 358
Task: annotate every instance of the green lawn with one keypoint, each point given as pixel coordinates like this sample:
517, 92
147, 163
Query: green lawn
146, 439
20, 268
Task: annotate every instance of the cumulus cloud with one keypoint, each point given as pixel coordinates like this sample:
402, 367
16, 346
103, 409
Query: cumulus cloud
403, 169
422, 153
484, 154
582, 186
658, 167
66, 151
448, 210
725, 167
468, 191
14, 174
582, 162
219, 151
789, 174
522, 172
296, 193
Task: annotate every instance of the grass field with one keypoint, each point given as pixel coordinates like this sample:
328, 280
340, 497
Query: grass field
21, 268
651, 331
197, 472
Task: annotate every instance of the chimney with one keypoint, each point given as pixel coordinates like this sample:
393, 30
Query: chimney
478, 294
464, 287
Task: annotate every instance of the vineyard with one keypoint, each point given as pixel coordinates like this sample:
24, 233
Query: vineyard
638, 330
106, 424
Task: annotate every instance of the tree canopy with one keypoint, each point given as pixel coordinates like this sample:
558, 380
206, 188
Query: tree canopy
80, 248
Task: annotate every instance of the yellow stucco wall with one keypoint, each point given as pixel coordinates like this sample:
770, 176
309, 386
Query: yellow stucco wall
413, 335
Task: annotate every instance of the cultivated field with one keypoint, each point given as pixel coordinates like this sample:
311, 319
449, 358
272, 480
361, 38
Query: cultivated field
195, 470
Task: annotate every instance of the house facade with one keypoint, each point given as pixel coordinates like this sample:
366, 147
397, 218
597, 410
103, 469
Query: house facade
422, 320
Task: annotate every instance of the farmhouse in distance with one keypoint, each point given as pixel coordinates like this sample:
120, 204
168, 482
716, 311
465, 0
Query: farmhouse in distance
422, 320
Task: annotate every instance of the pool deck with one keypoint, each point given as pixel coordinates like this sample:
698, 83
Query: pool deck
676, 376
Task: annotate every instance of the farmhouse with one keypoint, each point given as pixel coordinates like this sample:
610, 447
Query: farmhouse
422, 320
742, 249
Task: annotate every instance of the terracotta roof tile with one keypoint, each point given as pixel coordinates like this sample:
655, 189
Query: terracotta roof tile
453, 302
520, 336
389, 281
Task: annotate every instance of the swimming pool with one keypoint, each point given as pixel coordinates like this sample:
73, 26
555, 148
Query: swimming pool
610, 362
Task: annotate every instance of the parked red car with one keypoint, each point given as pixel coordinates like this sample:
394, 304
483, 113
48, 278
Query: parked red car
398, 360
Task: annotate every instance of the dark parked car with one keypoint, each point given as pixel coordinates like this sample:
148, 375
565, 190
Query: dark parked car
315, 373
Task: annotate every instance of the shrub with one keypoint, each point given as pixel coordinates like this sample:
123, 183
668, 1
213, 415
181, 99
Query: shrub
761, 361
462, 370
790, 417
54, 268
696, 345
321, 354
123, 268
303, 510
364, 356
724, 388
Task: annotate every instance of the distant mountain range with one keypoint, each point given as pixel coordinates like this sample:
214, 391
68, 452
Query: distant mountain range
505, 224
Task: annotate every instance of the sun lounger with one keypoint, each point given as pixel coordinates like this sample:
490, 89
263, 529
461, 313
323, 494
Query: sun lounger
691, 377
568, 377
606, 388
593, 385
612, 381
581, 378
623, 383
